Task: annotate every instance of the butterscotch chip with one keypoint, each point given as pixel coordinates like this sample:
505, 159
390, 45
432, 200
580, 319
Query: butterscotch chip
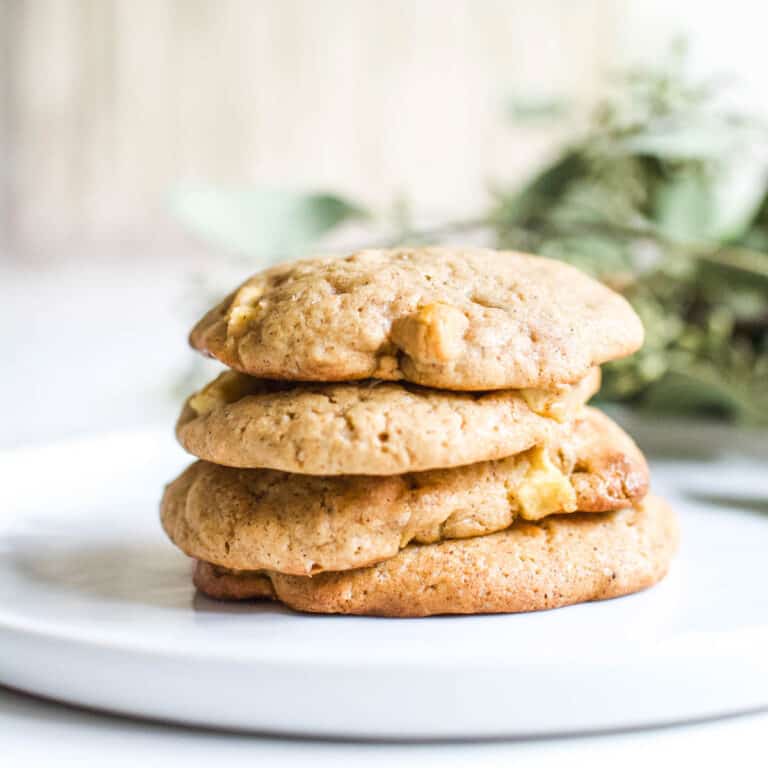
451, 318
558, 561
434, 333
375, 428
250, 519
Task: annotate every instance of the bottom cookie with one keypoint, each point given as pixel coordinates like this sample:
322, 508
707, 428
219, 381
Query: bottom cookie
560, 560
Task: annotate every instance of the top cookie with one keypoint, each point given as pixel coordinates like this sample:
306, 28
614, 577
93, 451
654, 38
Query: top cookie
463, 319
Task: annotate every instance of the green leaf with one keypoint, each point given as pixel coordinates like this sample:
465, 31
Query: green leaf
738, 193
683, 207
694, 137
531, 108
541, 192
702, 388
680, 392
269, 224
676, 143
696, 205
744, 294
601, 256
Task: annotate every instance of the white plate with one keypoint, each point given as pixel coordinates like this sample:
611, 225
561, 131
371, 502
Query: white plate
96, 608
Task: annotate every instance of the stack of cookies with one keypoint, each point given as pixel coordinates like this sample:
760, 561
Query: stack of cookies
404, 433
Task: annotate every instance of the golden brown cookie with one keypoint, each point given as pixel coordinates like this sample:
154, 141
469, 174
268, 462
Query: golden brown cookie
372, 428
249, 519
560, 560
451, 318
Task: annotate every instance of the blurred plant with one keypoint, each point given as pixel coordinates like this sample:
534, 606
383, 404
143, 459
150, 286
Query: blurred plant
664, 197
258, 223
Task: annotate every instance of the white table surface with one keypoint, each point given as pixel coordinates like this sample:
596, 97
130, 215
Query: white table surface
80, 376
39, 733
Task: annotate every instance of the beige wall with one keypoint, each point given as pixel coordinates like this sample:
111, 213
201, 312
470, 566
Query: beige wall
106, 103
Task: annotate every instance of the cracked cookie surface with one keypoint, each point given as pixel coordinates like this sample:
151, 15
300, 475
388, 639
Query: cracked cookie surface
250, 519
375, 428
558, 561
449, 318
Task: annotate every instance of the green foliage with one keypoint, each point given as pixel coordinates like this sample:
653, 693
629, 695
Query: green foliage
665, 198
264, 223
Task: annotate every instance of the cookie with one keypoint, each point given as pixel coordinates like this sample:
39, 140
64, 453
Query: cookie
251, 519
450, 318
373, 428
561, 560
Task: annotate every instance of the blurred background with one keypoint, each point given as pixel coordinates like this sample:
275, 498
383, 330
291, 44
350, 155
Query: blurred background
155, 152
